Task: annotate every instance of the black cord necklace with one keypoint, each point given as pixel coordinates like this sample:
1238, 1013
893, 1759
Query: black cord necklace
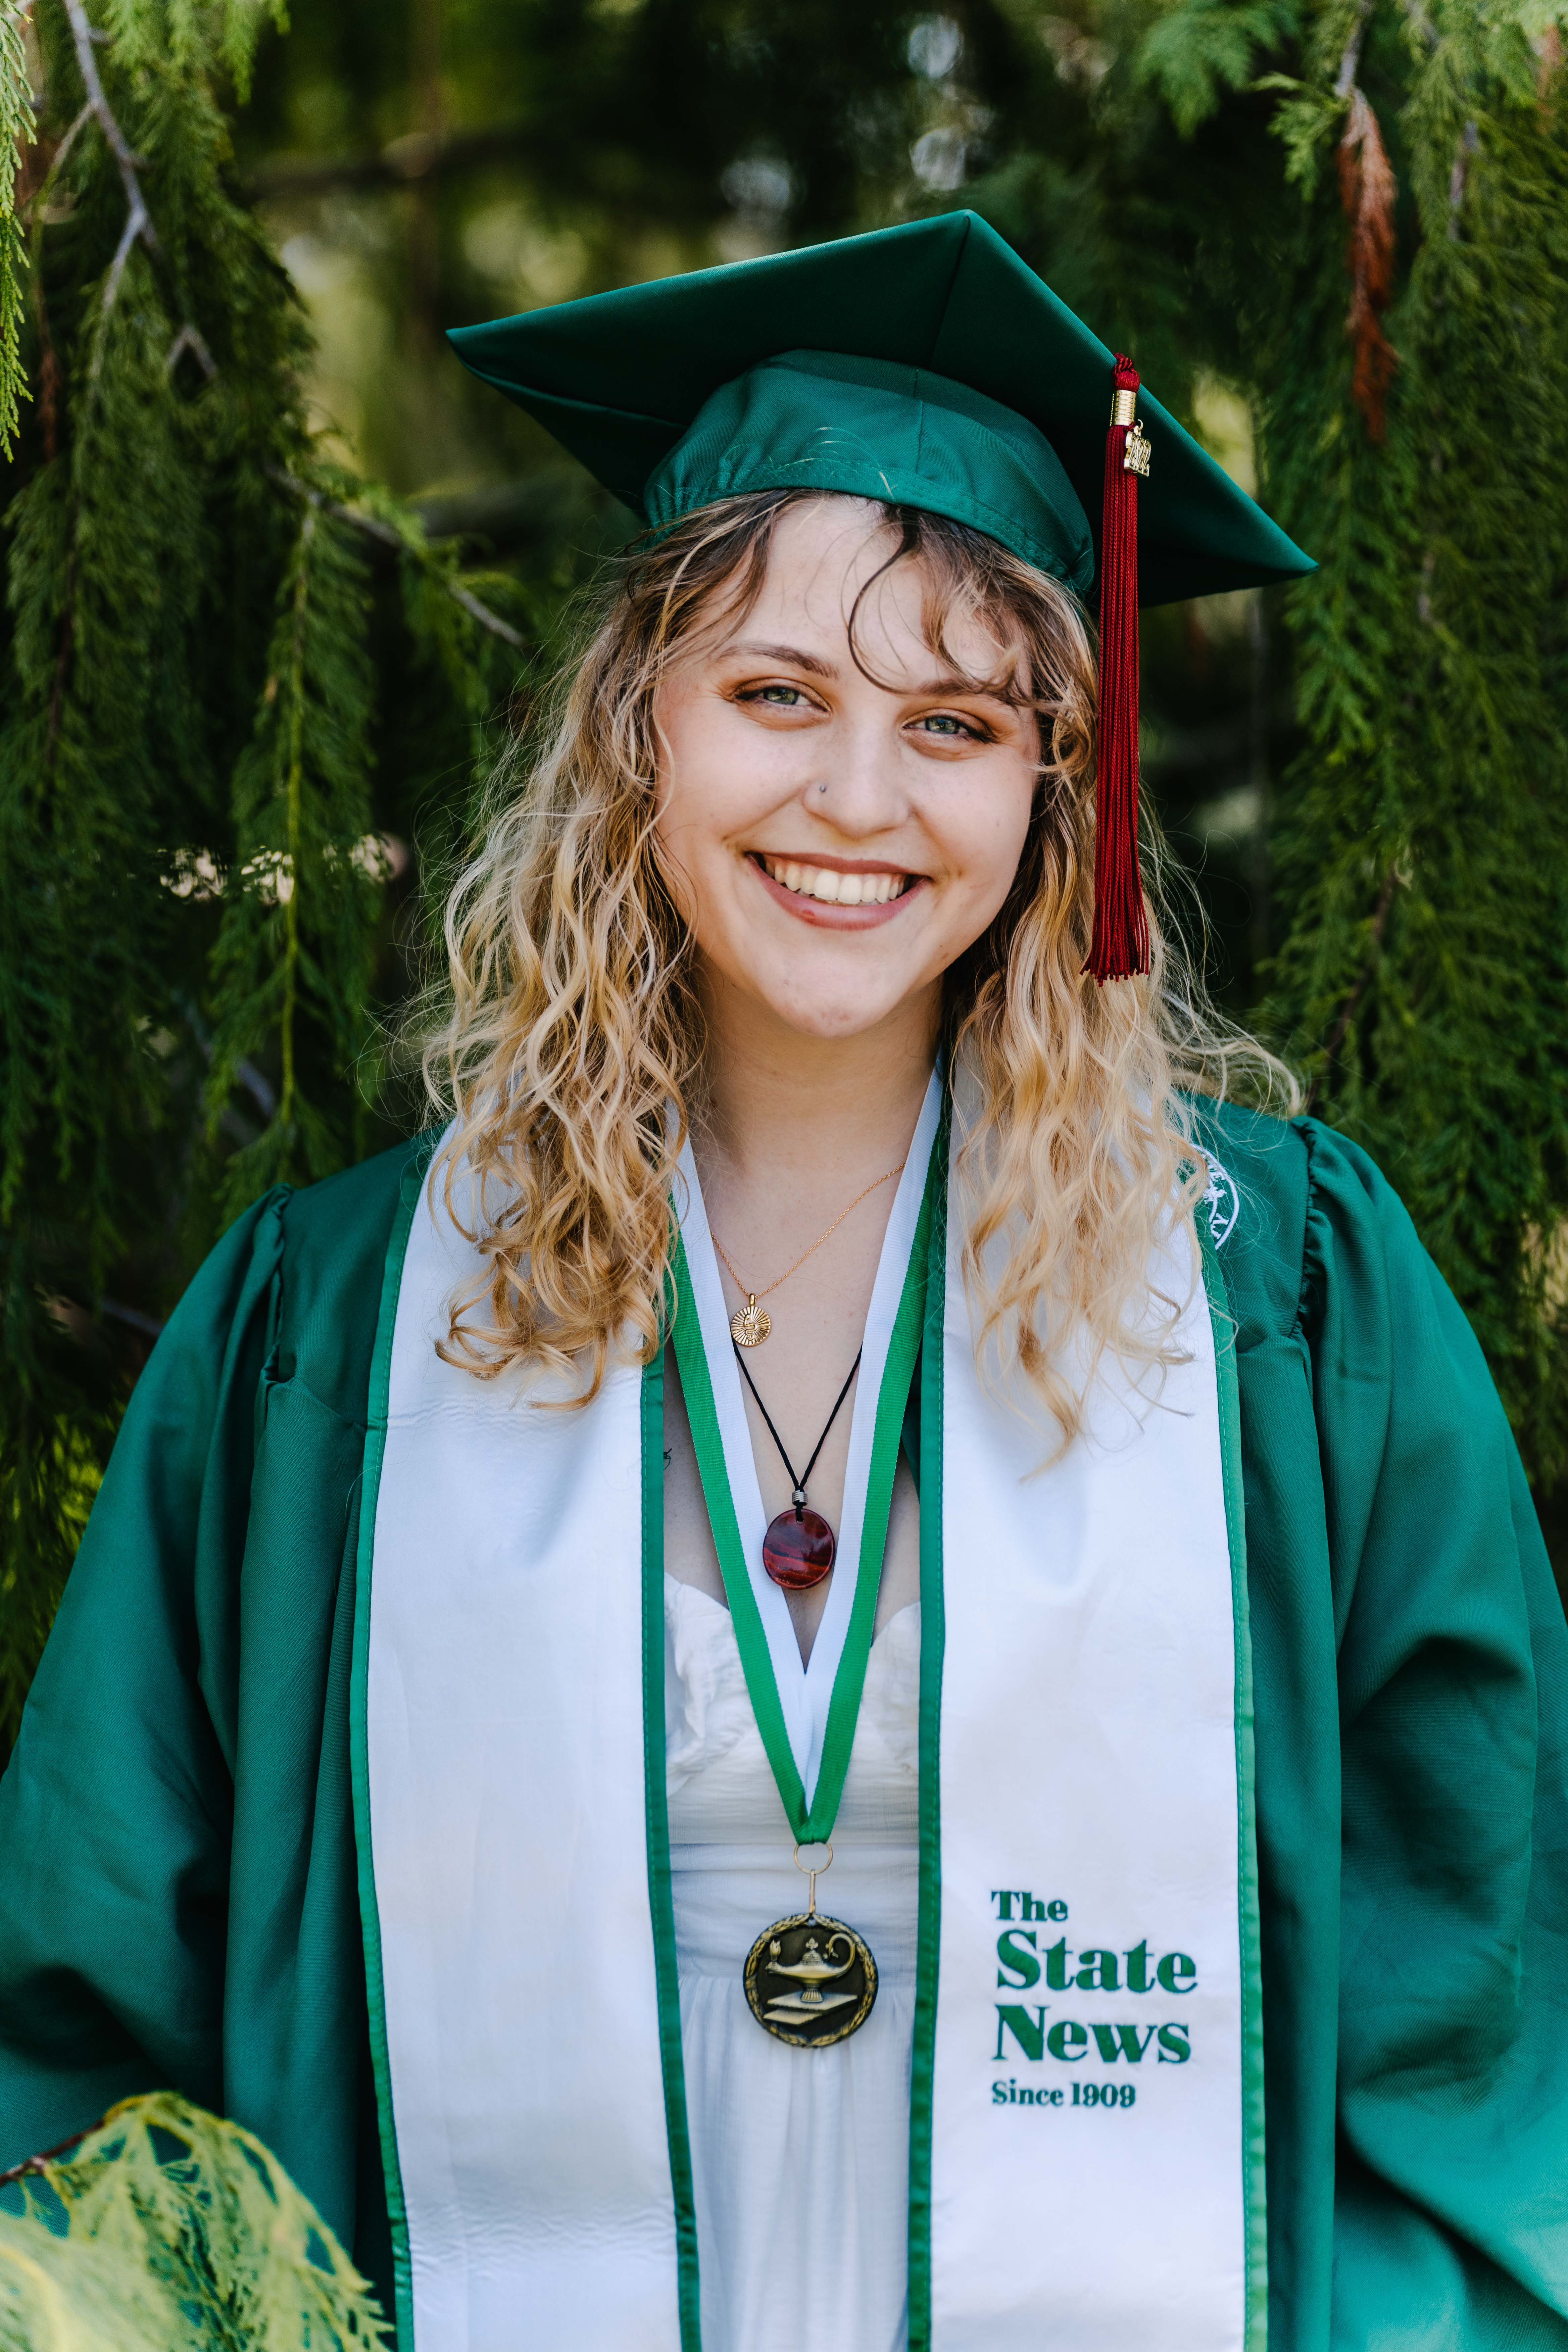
799, 1544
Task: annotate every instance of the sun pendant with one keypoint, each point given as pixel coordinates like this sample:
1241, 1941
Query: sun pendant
810, 1980
750, 1327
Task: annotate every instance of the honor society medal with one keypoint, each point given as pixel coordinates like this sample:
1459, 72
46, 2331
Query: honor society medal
810, 1980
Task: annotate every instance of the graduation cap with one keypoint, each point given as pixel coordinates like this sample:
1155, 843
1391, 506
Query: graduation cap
927, 366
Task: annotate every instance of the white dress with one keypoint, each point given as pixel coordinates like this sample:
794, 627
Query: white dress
800, 2158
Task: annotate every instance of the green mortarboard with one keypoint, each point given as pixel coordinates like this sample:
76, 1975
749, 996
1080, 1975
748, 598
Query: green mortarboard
928, 367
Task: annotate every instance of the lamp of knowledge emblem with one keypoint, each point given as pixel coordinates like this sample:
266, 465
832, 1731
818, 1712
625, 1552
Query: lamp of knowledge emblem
810, 1980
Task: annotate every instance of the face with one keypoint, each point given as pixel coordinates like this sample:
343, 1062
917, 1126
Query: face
834, 844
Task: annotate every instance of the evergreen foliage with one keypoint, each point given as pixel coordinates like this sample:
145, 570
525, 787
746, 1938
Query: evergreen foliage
1356, 213
236, 680
204, 623
168, 2229
1423, 835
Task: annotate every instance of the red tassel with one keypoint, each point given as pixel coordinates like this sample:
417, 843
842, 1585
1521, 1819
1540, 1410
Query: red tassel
1121, 944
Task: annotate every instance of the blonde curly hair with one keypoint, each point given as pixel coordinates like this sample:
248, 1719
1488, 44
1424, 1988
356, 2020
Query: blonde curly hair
565, 1044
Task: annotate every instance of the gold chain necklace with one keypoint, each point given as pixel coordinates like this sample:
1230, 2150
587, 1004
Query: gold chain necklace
749, 1326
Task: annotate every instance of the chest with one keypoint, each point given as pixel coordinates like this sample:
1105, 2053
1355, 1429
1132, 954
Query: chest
690, 1554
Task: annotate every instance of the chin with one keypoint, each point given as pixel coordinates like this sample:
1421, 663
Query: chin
833, 1022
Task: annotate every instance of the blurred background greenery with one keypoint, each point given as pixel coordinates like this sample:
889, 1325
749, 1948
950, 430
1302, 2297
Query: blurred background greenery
279, 571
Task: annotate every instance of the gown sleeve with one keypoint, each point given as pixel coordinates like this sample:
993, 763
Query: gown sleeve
1451, 2220
115, 1811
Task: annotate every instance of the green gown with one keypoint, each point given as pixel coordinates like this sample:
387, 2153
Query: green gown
178, 1890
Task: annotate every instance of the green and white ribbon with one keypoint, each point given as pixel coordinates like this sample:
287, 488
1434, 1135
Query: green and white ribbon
806, 1715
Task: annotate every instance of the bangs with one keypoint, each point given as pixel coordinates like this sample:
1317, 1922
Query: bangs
968, 578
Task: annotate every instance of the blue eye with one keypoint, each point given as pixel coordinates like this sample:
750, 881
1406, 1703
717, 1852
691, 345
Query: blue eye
943, 724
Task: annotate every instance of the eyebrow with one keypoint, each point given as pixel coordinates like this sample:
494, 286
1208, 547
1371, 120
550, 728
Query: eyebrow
794, 655
798, 658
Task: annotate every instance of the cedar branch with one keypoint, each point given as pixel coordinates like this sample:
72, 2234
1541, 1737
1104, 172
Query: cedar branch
139, 223
70, 139
1341, 1030
373, 528
480, 611
46, 2156
138, 219
1345, 80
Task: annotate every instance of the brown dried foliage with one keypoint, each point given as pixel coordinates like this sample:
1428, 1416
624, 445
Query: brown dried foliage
1367, 187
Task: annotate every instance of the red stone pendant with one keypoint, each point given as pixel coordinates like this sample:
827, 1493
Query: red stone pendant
798, 1553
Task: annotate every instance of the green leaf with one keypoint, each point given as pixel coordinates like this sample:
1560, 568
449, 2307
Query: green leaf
169, 2230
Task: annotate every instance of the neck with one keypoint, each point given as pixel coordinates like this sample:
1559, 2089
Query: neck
783, 1109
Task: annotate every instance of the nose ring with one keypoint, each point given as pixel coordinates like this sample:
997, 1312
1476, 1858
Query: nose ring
822, 788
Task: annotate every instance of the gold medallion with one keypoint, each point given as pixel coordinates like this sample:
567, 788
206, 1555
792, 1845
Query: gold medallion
750, 1327
810, 1980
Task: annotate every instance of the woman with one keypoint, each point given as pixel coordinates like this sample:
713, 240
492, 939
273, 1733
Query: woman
1062, 1515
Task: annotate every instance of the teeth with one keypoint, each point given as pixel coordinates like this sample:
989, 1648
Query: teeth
831, 888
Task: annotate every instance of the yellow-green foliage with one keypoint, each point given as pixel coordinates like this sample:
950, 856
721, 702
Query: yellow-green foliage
169, 2230
15, 129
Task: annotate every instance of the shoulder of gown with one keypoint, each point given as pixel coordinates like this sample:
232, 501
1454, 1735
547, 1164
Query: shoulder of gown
1411, 1678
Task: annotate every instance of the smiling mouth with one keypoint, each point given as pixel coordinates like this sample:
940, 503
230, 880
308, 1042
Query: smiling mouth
830, 888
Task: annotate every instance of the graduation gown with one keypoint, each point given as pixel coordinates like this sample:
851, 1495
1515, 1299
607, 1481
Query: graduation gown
179, 1899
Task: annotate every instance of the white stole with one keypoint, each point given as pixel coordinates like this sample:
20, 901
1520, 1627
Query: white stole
504, 1730
1088, 1772
1089, 1744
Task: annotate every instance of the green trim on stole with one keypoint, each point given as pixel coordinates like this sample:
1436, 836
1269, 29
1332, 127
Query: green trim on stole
409, 1196
751, 1639
1222, 1319
661, 1900
932, 1639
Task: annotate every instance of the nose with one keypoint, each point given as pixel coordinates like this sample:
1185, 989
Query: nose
857, 785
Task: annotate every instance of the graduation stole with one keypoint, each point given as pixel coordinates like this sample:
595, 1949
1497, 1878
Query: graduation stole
1086, 2129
